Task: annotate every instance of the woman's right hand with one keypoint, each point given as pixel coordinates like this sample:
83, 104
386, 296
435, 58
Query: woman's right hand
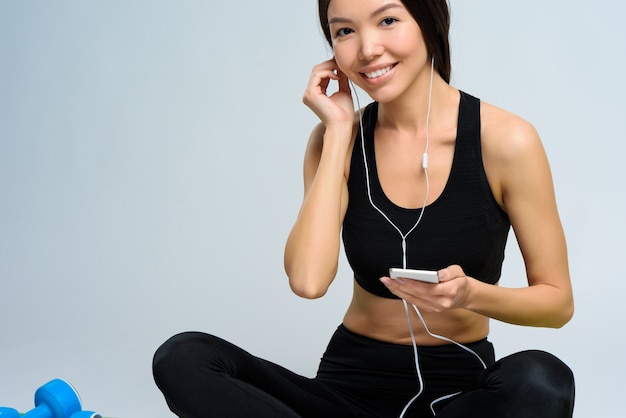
337, 108
312, 249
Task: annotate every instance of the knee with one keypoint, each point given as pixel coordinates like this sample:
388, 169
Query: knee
541, 375
178, 356
167, 356
543, 367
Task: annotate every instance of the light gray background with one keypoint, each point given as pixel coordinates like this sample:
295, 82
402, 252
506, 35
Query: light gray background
150, 160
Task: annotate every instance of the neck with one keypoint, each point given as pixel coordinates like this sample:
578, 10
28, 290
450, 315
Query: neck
410, 111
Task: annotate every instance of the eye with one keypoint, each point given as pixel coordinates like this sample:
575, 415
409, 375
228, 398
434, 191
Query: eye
388, 21
343, 32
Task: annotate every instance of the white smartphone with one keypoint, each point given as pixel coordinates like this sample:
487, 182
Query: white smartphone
421, 275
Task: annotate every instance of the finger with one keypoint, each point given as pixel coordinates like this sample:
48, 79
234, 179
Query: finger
344, 82
424, 304
450, 273
318, 84
321, 74
323, 84
406, 288
322, 78
326, 65
395, 286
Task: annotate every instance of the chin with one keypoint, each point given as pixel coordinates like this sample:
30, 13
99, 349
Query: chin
383, 96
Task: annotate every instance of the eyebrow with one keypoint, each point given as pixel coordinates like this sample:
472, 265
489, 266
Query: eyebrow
375, 13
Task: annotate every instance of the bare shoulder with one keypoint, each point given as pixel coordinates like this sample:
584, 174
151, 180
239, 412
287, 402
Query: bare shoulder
513, 155
506, 136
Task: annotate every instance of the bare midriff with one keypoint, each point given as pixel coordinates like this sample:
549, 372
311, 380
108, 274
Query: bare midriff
385, 320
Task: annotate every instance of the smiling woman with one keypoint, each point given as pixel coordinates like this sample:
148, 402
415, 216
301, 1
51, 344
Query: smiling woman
405, 347
432, 17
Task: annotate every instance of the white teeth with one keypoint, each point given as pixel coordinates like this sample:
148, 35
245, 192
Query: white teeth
378, 73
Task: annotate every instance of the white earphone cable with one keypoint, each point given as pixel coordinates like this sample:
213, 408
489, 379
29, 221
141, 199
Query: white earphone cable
424, 166
404, 245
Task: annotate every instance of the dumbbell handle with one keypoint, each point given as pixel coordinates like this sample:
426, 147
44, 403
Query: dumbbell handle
42, 411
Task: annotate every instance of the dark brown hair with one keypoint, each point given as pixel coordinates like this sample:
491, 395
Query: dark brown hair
433, 18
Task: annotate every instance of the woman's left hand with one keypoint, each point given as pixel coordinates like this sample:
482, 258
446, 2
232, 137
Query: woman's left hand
452, 291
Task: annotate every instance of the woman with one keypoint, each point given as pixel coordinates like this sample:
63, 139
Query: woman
426, 177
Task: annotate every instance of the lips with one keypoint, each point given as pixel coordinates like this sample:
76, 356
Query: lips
378, 73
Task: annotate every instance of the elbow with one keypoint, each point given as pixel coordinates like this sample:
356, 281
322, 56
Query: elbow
309, 284
567, 313
309, 277
563, 315
307, 291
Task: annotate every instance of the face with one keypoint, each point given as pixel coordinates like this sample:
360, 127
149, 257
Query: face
379, 46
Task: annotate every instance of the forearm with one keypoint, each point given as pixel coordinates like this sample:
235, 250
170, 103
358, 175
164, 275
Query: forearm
539, 305
312, 249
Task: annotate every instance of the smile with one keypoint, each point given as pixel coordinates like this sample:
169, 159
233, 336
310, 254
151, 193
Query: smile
378, 73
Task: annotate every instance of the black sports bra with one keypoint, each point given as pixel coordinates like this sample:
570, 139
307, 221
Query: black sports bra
464, 226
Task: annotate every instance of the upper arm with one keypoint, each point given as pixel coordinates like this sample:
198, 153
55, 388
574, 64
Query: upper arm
518, 167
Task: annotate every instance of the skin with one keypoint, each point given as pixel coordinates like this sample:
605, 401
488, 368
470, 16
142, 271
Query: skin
369, 35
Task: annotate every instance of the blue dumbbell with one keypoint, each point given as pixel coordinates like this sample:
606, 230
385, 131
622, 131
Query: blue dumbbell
8, 413
13, 413
55, 399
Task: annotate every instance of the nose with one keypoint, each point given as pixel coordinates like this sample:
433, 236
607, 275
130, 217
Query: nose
371, 47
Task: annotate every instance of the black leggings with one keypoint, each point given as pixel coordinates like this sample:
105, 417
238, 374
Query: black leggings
204, 376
